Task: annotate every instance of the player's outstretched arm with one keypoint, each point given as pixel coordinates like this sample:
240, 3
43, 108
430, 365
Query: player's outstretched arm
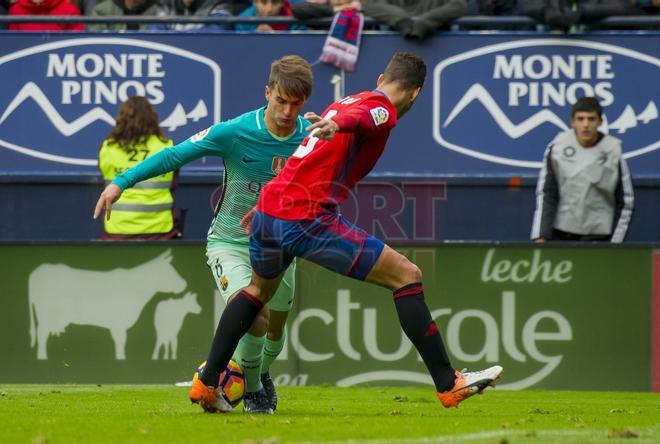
107, 198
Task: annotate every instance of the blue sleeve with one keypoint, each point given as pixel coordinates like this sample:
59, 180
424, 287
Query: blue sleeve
249, 12
214, 141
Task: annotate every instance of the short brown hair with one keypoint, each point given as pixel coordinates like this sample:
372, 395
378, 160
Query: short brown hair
136, 121
293, 75
406, 69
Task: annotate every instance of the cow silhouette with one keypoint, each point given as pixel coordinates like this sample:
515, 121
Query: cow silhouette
168, 320
60, 295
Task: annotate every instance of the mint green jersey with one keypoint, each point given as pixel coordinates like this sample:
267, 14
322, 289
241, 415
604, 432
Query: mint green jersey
252, 156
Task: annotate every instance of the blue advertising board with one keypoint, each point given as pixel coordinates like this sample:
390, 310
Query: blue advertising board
491, 102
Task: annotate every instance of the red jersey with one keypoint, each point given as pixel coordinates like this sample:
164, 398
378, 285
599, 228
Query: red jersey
46, 7
319, 174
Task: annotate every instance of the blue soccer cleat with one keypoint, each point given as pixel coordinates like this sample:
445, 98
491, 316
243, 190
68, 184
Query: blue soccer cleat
257, 403
269, 387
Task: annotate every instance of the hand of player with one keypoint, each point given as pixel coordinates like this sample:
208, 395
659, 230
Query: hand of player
324, 129
312, 117
247, 220
107, 198
539, 240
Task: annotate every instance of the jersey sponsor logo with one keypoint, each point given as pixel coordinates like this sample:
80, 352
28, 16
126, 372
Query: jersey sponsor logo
523, 94
277, 165
569, 151
73, 89
199, 136
379, 115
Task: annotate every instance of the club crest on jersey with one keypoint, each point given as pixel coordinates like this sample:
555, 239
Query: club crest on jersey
278, 164
199, 136
380, 115
224, 282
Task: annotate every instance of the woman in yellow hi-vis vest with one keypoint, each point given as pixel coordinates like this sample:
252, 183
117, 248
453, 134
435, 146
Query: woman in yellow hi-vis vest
146, 210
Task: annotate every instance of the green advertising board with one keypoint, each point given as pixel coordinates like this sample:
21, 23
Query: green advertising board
555, 318
105, 313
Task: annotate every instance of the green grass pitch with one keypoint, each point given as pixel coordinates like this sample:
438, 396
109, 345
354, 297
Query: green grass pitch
40, 414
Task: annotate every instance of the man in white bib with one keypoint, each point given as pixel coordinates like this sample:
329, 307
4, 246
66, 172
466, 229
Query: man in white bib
584, 191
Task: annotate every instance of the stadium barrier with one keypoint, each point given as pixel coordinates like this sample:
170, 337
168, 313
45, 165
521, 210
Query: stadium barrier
145, 313
441, 208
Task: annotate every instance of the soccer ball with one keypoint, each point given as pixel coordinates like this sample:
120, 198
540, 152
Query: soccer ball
231, 382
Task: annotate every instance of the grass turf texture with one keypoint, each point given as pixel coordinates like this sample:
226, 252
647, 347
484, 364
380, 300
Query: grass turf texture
162, 414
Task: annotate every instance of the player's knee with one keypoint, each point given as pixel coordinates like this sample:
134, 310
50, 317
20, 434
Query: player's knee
262, 289
257, 292
412, 273
259, 326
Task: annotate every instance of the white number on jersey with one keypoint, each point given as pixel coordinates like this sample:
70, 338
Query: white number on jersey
348, 100
306, 148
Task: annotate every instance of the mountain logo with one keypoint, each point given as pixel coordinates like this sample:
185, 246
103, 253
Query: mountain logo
59, 99
504, 103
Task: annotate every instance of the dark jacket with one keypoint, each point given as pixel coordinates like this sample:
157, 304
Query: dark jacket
594, 10
117, 7
429, 14
493, 7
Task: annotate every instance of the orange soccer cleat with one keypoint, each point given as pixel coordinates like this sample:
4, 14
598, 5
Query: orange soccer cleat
468, 384
208, 397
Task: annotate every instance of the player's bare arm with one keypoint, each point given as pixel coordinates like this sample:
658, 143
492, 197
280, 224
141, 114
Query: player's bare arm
110, 195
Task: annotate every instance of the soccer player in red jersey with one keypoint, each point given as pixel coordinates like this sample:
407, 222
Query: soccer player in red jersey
297, 217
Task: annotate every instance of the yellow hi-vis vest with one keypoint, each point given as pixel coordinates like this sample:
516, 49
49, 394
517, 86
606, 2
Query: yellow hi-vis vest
146, 208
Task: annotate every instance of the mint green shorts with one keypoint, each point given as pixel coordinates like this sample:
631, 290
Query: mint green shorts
231, 269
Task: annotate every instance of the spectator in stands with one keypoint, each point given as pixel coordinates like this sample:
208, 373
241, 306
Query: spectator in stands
322, 8
87, 6
558, 14
566, 14
646, 6
268, 8
199, 8
493, 7
584, 191
4, 9
235, 7
595, 10
415, 18
44, 7
146, 210
107, 8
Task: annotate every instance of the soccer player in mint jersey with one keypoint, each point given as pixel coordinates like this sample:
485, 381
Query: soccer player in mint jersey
254, 148
297, 216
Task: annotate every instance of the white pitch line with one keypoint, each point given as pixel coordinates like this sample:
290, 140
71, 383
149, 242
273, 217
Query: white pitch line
483, 435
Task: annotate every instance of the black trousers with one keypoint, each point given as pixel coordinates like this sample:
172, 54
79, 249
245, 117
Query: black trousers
558, 235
